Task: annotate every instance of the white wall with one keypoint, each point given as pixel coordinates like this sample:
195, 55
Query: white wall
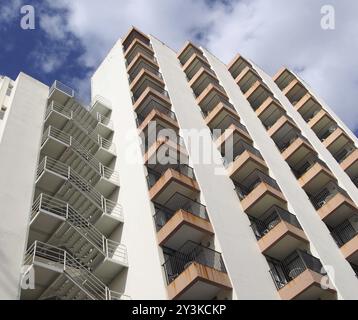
323, 244
144, 279
19, 151
246, 266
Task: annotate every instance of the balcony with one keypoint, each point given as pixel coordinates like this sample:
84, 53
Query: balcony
246, 159
283, 132
211, 97
151, 99
270, 111
51, 216
247, 78
258, 94
176, 178
346, 237
229, 139
194, 64
258, 192
132, 35
221, 117
308, 107
188, 51
184, 220
295, 91
202, 79
315, 177
195, 272
350, 162
238, 64
320, 121
139, 63
336, 140
299, 277
58, 179
59, 275
60, 93
101, 105
283, 78
333, 204
144, 80
278, 233
137, 46
298, 151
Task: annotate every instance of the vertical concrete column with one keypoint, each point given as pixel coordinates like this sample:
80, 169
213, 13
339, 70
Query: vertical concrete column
19, 150
341, 274
246, 266
144, 279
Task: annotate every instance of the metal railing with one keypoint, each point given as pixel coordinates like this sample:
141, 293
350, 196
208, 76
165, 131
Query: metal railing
344, 154
343, 233
189, 253
108, 248
307, 166
102, 100
53, 256
57, 85
325, 195
292, 266
239, 148
163, 214
243, 189
162, 110
325, 133
282, 146
162, 92
107, 206
272, 218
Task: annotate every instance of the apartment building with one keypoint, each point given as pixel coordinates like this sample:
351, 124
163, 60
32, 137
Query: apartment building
185, 178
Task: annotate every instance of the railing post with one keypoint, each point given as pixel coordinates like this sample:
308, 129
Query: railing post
67, 210
107, 248
34, 253
64, 260
40, 203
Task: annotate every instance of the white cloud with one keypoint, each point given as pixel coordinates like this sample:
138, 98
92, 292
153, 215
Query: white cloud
10, 11
270, 32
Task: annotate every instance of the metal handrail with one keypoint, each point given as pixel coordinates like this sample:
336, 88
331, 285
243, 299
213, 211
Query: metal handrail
107, 206
189, 253
83, 152
87, 230
62, 87
344, 232
325, 195
74, 270
307, 166
102, 100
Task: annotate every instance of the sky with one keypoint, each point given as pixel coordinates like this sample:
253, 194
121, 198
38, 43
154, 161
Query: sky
71, 38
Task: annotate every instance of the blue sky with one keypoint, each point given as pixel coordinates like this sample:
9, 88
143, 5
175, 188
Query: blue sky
73, 36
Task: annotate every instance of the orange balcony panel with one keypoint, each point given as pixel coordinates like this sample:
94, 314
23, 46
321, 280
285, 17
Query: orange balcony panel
316, 178
187, 51
138, 46
217, 116
147, 97
211, 97
160, 118
350, 250
245, 164
283, 78
194, 64
237, 65
171, 182
297, 150
183, 226
235, 133
198, 282
336, 140
133, 34
261, 199
283, 239
270, 111
283, 124
306, 286
350, 164
336, 209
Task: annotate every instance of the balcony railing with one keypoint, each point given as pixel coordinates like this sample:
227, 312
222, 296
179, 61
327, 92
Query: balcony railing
240, 148
344, 154
153, 176
86, 229
52, 256
165, 111
307, 166
164, 214
343, 233
107, 206
325, 133
57, 85
189, 253
243, 190
295, 264
163, 92
283, 146
325, 195
273, 217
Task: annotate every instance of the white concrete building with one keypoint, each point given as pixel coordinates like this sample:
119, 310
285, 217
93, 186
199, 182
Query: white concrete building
185, 179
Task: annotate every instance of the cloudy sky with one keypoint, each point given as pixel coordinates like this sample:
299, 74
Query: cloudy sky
71, 37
